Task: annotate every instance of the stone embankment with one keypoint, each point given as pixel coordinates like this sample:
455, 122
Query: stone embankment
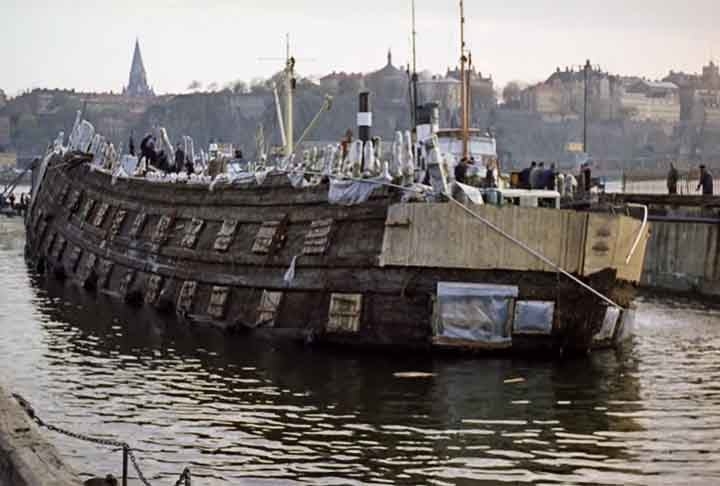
683, 253
26, 458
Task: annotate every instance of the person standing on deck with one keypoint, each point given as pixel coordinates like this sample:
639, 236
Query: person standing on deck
461, 170
706, 181
587, 178
550, 176
525, 176
179, 159
672, 179
131, 144
535, 174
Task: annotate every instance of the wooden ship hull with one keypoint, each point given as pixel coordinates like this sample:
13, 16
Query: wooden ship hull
284, 261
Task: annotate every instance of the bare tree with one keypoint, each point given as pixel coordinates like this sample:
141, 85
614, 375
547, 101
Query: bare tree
238, 87
511, 94
195, 86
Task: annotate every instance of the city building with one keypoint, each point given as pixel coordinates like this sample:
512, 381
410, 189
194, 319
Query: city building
699, 93
4, 133
562, 95
341, 81
655, 101
446, 91
390, 82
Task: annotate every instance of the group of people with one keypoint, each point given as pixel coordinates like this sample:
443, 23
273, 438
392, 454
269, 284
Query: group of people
705, 184
537, 176
466, 167
13, 203
159, 159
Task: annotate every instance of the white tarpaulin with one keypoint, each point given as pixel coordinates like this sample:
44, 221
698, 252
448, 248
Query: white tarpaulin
467, 194
351, 192
475, 312
612, 315
129, 163
82, 137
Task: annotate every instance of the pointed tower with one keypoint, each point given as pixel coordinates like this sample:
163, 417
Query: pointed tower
137, 83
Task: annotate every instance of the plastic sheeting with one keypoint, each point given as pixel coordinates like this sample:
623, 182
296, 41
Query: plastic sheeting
467, 194
475, 312
82, 136
297, 180
290, 273
351, 192
612, 316
534, 317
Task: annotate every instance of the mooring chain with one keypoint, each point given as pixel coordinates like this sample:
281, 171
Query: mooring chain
87, 438
184, 479
135, 464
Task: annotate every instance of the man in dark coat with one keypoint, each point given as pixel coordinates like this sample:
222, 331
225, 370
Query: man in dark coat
525, 176
706, 181
672, 179
179, 159
461, 170
131, 145
587, 177
550, 175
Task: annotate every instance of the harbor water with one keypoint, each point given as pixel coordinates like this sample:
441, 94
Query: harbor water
239, 410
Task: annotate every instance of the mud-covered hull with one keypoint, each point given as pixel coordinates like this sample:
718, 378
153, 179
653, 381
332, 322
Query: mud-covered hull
283, 260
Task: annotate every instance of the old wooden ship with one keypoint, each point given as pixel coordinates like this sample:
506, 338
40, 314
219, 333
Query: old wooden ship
288, 257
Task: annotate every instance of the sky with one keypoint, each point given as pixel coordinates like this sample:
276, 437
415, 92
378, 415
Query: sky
87, 45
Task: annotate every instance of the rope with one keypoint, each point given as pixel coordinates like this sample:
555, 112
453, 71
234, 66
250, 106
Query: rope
184, 476
495, 228
536, 254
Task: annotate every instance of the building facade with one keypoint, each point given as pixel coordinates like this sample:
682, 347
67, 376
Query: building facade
562, 95
699, 94
654, 101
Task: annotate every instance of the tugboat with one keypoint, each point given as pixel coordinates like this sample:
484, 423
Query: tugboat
339, 250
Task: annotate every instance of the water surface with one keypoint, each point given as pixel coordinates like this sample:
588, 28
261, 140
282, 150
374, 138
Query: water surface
243, 411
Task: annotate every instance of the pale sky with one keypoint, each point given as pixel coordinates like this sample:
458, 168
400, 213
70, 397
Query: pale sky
87, 44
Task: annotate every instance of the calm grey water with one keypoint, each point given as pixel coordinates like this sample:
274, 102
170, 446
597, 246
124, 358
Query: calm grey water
244, 411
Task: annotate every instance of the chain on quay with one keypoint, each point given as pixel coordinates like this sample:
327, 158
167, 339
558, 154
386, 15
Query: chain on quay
128, 453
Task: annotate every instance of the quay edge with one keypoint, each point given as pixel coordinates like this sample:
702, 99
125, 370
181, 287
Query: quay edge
26, 457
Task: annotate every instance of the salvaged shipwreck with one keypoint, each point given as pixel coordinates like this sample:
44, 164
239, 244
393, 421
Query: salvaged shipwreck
338, 259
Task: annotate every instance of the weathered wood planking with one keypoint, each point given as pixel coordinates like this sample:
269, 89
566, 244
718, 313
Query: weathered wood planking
443, 235
609, 241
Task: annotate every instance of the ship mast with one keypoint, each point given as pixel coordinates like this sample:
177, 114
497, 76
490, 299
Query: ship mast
289, 88
414, 97
463, 81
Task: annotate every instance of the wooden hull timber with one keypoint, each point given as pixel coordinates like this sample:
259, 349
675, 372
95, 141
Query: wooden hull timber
221, 258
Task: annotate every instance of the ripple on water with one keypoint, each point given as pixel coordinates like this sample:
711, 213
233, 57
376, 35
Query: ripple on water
247, 412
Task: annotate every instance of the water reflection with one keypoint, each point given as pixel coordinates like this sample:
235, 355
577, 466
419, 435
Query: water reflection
246, 411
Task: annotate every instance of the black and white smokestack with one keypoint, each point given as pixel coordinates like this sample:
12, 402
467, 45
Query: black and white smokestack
364, 119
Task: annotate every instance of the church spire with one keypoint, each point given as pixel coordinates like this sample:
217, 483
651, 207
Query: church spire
137, 83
